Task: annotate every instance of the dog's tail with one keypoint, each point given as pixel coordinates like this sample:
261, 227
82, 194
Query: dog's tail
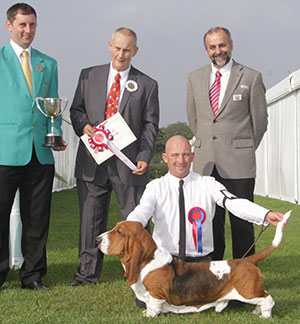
259, 256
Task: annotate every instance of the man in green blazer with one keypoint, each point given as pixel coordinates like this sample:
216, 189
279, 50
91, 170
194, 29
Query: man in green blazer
24, 162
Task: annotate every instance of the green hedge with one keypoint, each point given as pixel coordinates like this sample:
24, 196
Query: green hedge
158, 170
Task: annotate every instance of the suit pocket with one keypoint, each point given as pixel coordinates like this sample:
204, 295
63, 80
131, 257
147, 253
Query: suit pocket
242, 143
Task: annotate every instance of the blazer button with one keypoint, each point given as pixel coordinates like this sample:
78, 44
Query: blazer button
32, 127
215, 137
32, 111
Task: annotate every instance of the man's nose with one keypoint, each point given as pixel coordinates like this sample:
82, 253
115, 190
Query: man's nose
27, 29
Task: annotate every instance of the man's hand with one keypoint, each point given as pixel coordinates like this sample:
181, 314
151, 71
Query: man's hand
60, 148
274, 217
88, 130
142, 167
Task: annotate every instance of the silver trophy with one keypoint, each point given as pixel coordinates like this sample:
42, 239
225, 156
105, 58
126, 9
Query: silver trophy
52, 108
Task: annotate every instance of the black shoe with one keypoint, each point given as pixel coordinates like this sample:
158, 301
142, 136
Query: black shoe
35, 285
140, 303
76, 283
2, 278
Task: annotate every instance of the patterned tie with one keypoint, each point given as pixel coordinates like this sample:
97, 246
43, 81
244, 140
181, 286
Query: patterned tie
27, 71
214, 93
181, 254
113, 97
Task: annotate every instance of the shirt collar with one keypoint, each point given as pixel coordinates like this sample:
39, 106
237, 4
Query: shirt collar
176, 180
224, 69
18, 49
124, 74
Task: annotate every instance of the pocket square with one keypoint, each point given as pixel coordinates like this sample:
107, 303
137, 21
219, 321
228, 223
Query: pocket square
244, 86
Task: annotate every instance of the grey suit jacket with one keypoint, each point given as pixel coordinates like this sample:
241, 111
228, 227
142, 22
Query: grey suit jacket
140, 109
229, 139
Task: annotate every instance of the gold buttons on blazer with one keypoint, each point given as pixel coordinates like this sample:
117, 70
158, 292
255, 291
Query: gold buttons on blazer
32, 127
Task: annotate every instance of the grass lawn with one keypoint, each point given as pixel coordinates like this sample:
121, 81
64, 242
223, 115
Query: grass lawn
111, 301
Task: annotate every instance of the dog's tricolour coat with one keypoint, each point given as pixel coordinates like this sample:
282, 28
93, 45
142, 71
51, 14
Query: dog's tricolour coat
167, 284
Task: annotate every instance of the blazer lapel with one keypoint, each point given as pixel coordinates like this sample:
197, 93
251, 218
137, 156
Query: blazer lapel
235, 76
15, 69
206, 87
38, 68
101, 90
126, 93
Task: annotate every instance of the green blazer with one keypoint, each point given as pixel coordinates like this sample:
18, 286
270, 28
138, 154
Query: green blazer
22, 125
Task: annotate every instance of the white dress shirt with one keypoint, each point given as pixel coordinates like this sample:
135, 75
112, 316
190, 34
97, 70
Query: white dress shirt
160, 201
225, 72
19, 50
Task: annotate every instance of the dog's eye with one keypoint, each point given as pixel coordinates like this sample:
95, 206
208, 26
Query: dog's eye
119, 232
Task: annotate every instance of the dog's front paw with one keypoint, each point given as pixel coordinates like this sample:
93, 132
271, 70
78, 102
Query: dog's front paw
150, 312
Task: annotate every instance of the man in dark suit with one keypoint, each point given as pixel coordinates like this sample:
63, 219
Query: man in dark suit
227, 114
138, 104
25, 74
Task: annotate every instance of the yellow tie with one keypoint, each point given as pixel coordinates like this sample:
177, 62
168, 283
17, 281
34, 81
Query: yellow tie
27, 71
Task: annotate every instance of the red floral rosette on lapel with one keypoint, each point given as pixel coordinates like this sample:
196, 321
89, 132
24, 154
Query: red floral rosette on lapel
197, 217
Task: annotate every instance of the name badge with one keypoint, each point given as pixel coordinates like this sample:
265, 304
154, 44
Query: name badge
237, 97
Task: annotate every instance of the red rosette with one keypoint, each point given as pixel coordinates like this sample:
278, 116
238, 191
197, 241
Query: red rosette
99, 140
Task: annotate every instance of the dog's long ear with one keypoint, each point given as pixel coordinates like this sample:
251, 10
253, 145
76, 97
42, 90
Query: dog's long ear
134, 262
148, 246
142, 252
139, 248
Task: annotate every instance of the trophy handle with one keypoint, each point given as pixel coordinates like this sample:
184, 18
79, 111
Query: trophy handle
64, 102
38, 105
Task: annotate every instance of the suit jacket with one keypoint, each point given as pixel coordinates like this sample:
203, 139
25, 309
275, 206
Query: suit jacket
140, 110
229, 139
22, 125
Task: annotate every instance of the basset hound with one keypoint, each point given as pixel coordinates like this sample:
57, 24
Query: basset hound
167, 284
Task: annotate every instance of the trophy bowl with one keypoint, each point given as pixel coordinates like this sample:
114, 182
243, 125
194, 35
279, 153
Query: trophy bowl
52, 108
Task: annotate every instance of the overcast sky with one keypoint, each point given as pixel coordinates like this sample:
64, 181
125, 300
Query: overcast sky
76, 33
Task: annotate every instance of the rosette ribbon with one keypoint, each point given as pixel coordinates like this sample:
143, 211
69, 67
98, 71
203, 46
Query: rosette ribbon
102, 140
197, 217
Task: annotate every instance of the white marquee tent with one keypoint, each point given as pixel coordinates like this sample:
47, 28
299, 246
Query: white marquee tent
278, 159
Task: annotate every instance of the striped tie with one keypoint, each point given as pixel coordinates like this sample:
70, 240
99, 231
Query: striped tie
214, 93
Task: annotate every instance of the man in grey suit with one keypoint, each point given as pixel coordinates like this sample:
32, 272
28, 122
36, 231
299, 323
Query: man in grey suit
139, 106
226, 139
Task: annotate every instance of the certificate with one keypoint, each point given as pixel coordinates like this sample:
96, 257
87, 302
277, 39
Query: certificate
111, 136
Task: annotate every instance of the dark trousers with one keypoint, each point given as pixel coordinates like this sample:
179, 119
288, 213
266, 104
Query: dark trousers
206, 258
34, 181
94, 202
242, 232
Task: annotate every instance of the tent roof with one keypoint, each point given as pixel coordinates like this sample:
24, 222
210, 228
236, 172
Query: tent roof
284, 87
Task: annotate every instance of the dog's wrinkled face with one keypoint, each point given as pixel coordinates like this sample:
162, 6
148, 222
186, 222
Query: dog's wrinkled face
132, 243
116, 241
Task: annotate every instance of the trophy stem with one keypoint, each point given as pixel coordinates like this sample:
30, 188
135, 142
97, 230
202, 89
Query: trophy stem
52, 124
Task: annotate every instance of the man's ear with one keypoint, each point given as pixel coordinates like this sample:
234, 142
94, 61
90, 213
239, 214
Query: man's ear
135, 51
110, 45
165, 158
8, 25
